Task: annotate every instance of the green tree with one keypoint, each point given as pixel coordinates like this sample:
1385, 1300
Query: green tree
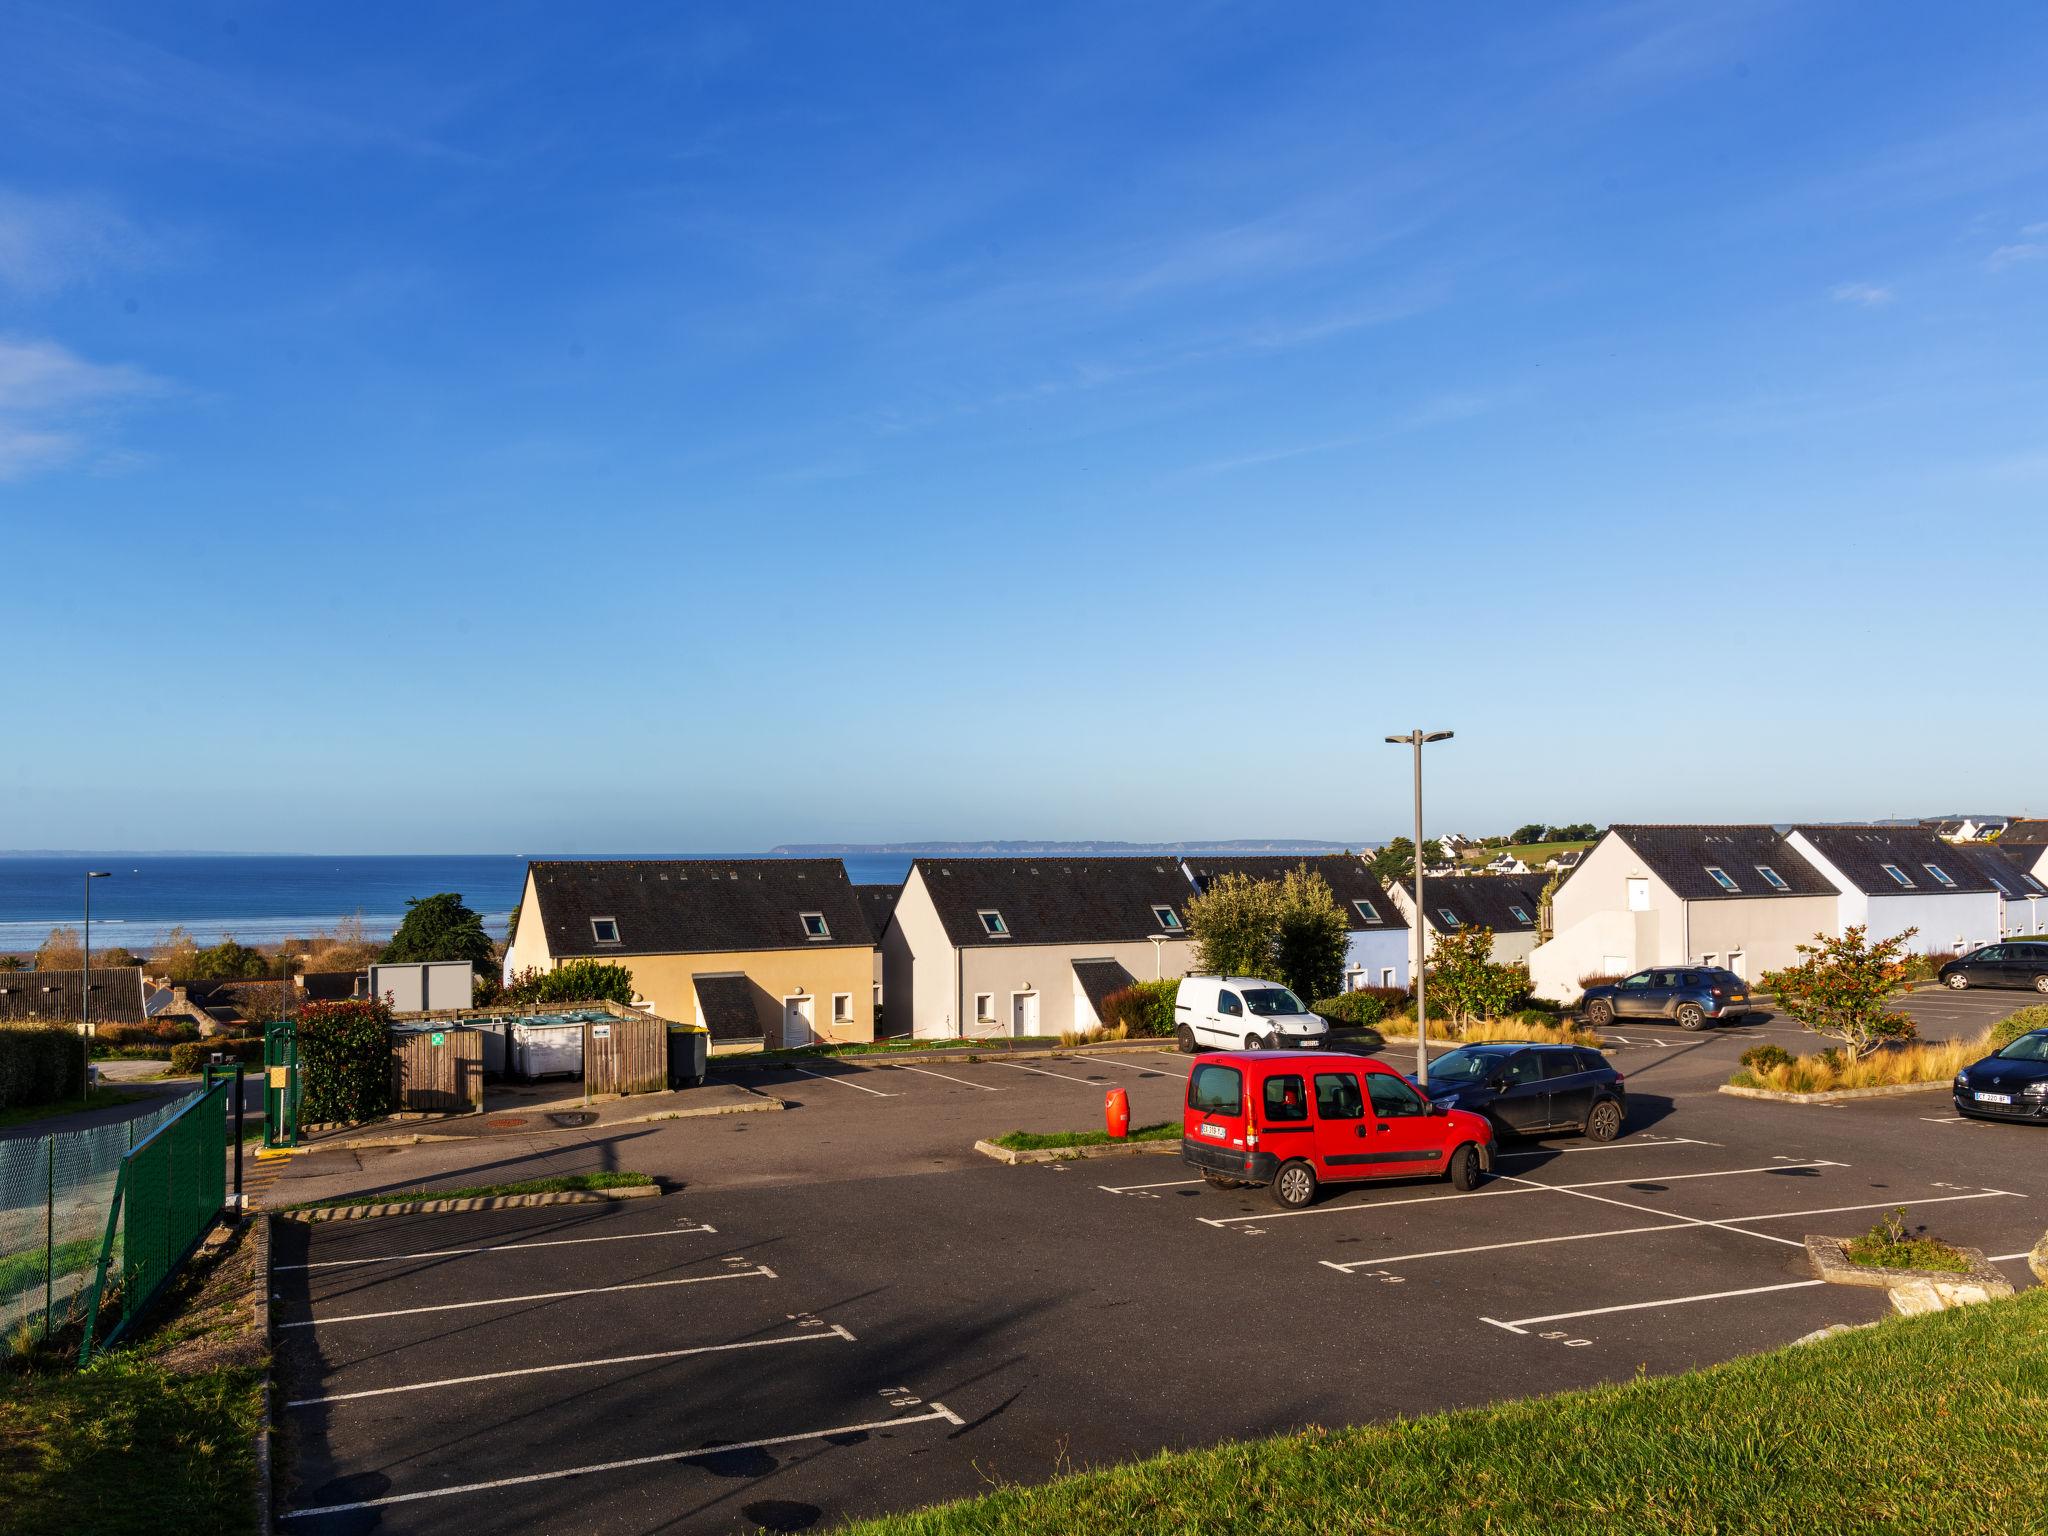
1310, 936
227, 961
574, 981
1469, 982
441, 928
1843, 986
175, 957
1530, 832
1396, 861
1234, 924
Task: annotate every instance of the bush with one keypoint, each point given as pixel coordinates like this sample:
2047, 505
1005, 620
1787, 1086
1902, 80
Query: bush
344, 1061
1363, 1008
1760, 1058
194, 1054
1597, 979
40, 1065
1142, 1008
578, 981
2005, 1031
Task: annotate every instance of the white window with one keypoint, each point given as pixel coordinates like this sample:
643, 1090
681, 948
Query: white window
1708, 958
878, 997
993, 925
1387, 976
1772, 878
1898, 874
1367, 911
984, 1007
1520, 915
1450, 918
815, 926
1166, 918
1940, 874
842, 1007
1722, 878
1738, 962
1638, 899
604, 930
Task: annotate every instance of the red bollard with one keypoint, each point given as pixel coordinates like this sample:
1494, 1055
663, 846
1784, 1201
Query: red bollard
1116, 1113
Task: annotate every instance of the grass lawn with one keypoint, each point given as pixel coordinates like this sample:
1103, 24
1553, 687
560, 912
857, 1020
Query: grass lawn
98, 1098
560, 1184
24, 1271
1788, 1441
155, 1436
1048, 1141
1531, 854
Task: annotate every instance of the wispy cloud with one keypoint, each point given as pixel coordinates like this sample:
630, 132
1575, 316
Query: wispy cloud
47, 243
55, 406
2013, 255
1869, 295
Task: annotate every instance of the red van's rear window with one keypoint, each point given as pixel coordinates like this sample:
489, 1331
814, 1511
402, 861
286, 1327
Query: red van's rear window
1216, 1090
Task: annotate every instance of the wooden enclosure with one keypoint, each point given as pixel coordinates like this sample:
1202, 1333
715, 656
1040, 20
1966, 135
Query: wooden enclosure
437, 1071
625, 1056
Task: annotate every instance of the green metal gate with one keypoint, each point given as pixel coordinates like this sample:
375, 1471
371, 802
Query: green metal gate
282, 1088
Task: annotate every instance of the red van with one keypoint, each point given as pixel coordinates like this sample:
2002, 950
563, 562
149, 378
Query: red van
1294, 1120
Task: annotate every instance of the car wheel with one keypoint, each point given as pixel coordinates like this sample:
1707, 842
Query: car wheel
1959, 982
1600, 1013
1690, 1016
1604, 1123
1185, 1037
1464, 1170
2041, 983
1253, 1043
1294, 1186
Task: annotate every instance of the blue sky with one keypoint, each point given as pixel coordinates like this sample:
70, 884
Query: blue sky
654, 428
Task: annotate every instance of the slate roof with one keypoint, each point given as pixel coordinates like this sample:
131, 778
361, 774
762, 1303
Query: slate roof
1099, 978
1861, 852
1480, 901
725, 1006
1056, 900
2010, 872
2031, 833
1349, 878
57, 995
1679, 856
694, 906
877, 902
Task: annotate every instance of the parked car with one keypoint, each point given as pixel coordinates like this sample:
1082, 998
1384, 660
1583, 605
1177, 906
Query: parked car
1691, 996
1530, 1090
1295, 1122
1998, 965
1233, 1011
2009, 1084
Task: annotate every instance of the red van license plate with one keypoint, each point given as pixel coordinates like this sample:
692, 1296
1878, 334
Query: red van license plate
1213, 1130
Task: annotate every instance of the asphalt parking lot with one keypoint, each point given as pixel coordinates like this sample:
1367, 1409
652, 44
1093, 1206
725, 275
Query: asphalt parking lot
805, 1333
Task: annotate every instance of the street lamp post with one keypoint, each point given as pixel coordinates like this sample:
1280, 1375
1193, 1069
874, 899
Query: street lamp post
85, 980
1418, 739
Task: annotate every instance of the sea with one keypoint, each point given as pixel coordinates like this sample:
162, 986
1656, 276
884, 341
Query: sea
263, 898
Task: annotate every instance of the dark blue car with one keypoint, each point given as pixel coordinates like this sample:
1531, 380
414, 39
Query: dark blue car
2009, 1084
1533, 1090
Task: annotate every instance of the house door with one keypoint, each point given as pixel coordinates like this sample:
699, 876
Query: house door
1024, 1013
798, 1014
1738, 962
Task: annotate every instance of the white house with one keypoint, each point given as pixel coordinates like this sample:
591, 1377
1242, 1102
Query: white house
1567, 858
1892, 879
984, 947
1377, 952
1504, 864
2022, 894
1508, 904
1737, 896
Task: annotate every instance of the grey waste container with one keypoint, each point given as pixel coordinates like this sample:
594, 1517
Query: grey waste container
687, 1050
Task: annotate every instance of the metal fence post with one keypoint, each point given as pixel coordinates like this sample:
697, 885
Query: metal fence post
239, 1071
49, 1235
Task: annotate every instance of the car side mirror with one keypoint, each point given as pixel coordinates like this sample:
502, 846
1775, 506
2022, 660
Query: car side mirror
1435, 1109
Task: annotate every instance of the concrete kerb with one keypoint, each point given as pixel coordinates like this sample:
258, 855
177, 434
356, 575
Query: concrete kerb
2037, 1261
470, 1203
1071, 1154
1833, 1095
1912, 1291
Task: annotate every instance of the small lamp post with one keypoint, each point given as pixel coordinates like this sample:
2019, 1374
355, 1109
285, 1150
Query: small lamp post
1418, 739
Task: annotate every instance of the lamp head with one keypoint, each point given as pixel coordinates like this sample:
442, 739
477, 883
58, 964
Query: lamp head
97, 874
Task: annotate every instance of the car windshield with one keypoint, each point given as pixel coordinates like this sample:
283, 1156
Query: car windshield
1266, 1002
2026, 1048
1464, 1067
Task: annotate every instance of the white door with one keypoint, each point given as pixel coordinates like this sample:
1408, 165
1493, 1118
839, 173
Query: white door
797, 1014
1639, 895
1024, 1013
1738, 962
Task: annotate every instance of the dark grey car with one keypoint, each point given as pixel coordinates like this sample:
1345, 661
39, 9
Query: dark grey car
1690, 996
2011, 964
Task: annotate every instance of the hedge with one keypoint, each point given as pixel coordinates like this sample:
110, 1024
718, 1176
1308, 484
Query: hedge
1143, 1008
194, 1054
40, 1065
1362, 1008
2025, 1021
576, 981
344, 1061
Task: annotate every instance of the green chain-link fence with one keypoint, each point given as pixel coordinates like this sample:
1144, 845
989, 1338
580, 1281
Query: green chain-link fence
54, 1194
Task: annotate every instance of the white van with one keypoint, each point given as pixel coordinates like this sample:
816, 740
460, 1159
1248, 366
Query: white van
1242, 1013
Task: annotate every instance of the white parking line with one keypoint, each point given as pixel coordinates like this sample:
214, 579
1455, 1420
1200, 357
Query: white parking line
834, 1332
1523, 1324
939, 1411
449, 1253
827, 1077
903, 1066
1124, 1189
760, 1270
1636, 1145
1132, 1066
1040, 1071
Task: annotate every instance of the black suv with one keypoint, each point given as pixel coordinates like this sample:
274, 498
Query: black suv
1999, 965
1531, 1090
1691, 996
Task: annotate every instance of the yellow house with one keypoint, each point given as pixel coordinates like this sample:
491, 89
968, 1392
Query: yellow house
770, 950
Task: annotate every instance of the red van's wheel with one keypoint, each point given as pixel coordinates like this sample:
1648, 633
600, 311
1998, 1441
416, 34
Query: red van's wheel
1464, 1170
1294, 1185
